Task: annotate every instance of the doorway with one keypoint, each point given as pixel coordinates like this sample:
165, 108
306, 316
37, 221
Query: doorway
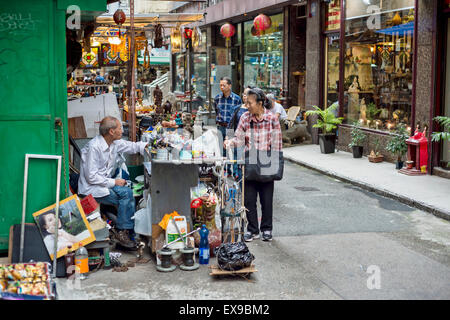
445, 145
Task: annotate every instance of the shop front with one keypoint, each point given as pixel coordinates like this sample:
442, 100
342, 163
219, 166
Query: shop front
263, 56
369, 66
252, 58
189, 76
441, 156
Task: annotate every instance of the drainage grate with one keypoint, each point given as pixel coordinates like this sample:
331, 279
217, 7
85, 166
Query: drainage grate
306, 188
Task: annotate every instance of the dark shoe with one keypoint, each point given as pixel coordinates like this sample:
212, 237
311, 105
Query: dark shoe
248, 236
124, 240
267, 236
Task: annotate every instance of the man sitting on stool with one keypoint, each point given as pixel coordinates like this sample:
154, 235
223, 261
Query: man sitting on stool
98, 164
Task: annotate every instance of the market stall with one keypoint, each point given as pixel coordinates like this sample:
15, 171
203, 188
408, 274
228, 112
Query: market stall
185, 177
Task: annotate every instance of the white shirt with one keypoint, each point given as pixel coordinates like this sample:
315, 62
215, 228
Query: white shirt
98, 162
278, 108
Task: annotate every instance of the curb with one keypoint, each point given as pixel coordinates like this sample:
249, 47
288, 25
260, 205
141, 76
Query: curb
440, 213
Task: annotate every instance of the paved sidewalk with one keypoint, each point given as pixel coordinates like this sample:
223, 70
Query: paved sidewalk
427, 193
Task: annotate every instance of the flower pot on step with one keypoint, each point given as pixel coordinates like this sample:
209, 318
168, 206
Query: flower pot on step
327, 143
357, 151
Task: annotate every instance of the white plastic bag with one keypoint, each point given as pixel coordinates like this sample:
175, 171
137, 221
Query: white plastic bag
208, 143
143, 219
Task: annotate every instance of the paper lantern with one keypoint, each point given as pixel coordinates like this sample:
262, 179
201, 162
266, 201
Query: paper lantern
227, 30
262, 23
119, 17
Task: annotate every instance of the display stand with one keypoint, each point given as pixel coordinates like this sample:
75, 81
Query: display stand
169, 184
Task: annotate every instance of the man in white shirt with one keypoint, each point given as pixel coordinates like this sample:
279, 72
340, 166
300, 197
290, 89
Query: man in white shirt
277, 109
99, 161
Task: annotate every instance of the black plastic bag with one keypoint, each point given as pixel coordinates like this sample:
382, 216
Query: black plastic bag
234, 256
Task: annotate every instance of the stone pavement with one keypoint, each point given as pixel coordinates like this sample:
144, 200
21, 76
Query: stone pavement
428, 193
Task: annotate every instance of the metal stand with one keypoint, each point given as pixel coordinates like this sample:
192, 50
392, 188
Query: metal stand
188, 260
166, 260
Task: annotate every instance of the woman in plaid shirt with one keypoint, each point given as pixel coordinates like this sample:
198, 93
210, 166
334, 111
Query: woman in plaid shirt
266, 136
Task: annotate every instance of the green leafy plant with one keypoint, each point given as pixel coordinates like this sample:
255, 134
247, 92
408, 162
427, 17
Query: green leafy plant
376, 143
397, 145
326, 118
444, 135
372, 111
358, 136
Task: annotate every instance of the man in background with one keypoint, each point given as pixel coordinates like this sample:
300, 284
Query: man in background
225, 103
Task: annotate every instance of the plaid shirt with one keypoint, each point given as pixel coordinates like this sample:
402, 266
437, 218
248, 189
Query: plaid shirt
266, 133
225, 106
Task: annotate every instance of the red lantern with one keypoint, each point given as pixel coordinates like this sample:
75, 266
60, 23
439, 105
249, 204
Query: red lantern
187, 33
262, 23
119, 17
227, 30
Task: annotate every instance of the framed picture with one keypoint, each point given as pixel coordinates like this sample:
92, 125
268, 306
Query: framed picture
73, 228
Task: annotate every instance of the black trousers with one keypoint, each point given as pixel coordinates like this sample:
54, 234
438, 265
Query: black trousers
265, 192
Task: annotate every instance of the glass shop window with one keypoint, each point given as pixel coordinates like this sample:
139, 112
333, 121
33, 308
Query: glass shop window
179, 72
332, 69
263, 56
378, 63
199, 79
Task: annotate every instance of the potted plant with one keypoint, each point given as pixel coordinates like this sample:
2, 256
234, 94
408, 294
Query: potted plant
375, 155
444, 135
327, 121
358, 137
397, 145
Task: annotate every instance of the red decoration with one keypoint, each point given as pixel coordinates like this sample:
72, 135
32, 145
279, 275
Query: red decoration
227, 30
187, 33
262, 23
119, 17
196, 203
88, 204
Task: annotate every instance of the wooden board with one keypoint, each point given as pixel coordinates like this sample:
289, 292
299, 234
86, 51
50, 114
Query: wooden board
216, 271
77, 130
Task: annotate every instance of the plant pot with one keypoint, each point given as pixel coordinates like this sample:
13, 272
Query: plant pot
445, 165
357, 151
327, 143
409, 164
376, 159
398, 165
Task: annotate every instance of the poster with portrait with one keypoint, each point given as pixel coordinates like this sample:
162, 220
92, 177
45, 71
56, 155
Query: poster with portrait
73, 228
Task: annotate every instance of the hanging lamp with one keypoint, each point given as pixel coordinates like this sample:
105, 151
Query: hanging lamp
262, 23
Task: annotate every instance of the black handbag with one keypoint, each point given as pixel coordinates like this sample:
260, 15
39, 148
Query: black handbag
263, 165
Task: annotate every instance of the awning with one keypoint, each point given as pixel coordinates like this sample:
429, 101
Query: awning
168, 20
156, 61
401, 29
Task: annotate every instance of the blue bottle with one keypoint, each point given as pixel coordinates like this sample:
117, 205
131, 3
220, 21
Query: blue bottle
204, 246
